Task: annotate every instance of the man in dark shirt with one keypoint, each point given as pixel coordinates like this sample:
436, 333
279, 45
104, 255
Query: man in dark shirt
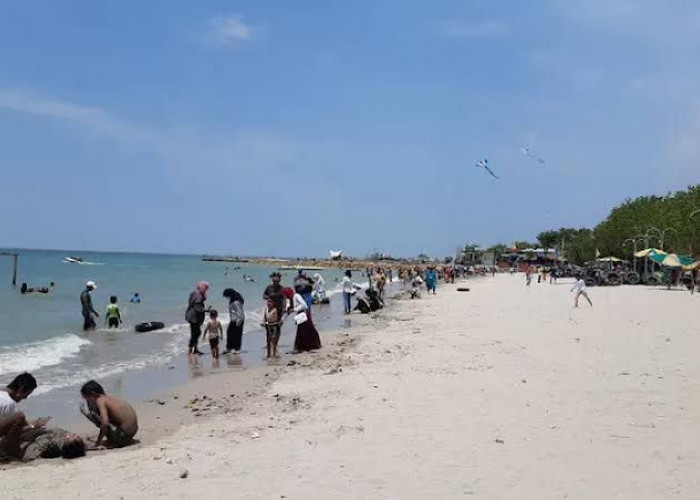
86, 304
274, 292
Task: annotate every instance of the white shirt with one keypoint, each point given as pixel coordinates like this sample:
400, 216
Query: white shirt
299, 303
347, 285
8, 405
580, 286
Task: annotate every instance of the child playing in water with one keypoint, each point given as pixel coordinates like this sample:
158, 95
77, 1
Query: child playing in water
215, 331
113, 317
271, 322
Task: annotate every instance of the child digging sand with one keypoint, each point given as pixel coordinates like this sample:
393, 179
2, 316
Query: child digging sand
271, 322
215, 331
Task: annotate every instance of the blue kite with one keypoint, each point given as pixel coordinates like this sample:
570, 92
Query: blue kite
485, 165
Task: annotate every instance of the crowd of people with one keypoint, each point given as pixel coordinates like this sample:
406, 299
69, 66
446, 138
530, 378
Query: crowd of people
280, 303
26, 439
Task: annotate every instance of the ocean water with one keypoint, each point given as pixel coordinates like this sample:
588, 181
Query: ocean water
43, 333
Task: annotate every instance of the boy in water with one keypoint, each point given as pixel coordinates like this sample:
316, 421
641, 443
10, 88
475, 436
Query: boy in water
113, 317
272, 327
114, 416
215, 331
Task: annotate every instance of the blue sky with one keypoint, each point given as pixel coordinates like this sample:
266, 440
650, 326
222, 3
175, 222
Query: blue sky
291, 128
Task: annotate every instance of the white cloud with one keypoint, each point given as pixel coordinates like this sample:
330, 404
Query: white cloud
459, 28
226, 30
240, 150
93, 118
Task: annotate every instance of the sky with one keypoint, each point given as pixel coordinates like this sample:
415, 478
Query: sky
292, 128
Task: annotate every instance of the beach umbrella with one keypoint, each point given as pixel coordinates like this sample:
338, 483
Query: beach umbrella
693, 266
610, 259
649, 251
672, 259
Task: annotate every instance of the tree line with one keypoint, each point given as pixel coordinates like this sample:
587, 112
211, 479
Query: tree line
671, 222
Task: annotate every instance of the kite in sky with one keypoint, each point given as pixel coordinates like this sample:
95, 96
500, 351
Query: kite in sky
530, 154
485, 165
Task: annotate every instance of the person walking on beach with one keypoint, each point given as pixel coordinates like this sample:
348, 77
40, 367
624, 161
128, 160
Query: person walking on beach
307, 338
553, 276
580, 288
112, 316
87, 310
114, 416
271, 323
348, 289
195, 315
214, 331
234, 332
430, 279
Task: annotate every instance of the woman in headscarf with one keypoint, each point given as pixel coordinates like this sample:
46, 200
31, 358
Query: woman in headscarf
319, 293
307, 338
234, 333
302, 285
195, 313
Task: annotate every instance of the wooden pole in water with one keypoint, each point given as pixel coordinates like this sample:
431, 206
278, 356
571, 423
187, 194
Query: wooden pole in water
15, 257
14, 269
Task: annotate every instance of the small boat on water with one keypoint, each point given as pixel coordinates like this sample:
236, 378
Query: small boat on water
73, 260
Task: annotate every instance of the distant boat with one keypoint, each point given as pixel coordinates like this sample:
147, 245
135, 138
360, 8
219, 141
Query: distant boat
73, 260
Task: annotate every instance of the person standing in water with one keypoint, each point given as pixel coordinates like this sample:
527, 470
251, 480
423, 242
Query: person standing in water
87, 309
274, 292
234, 332
272, 328
214, 331
195, 315
113, 316
348, 288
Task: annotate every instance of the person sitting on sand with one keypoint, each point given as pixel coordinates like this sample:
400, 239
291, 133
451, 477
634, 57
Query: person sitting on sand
51, 443
115, 417
136, 299
362, 304
12, 421
580, 288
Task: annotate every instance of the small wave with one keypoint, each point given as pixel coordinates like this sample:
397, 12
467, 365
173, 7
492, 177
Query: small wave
35, 355
67, 376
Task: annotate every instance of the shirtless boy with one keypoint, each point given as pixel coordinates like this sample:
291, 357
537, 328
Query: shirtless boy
114, 416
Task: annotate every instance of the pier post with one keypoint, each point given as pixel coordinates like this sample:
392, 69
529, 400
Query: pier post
14, 269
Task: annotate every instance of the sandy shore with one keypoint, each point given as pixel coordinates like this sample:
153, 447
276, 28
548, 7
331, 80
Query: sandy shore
501, 392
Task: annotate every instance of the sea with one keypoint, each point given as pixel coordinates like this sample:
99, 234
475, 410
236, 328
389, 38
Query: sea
42, 334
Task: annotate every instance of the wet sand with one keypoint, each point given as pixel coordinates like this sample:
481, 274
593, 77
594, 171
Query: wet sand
501, 392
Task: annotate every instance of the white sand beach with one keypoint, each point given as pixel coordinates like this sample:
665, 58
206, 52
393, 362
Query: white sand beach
505, 391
